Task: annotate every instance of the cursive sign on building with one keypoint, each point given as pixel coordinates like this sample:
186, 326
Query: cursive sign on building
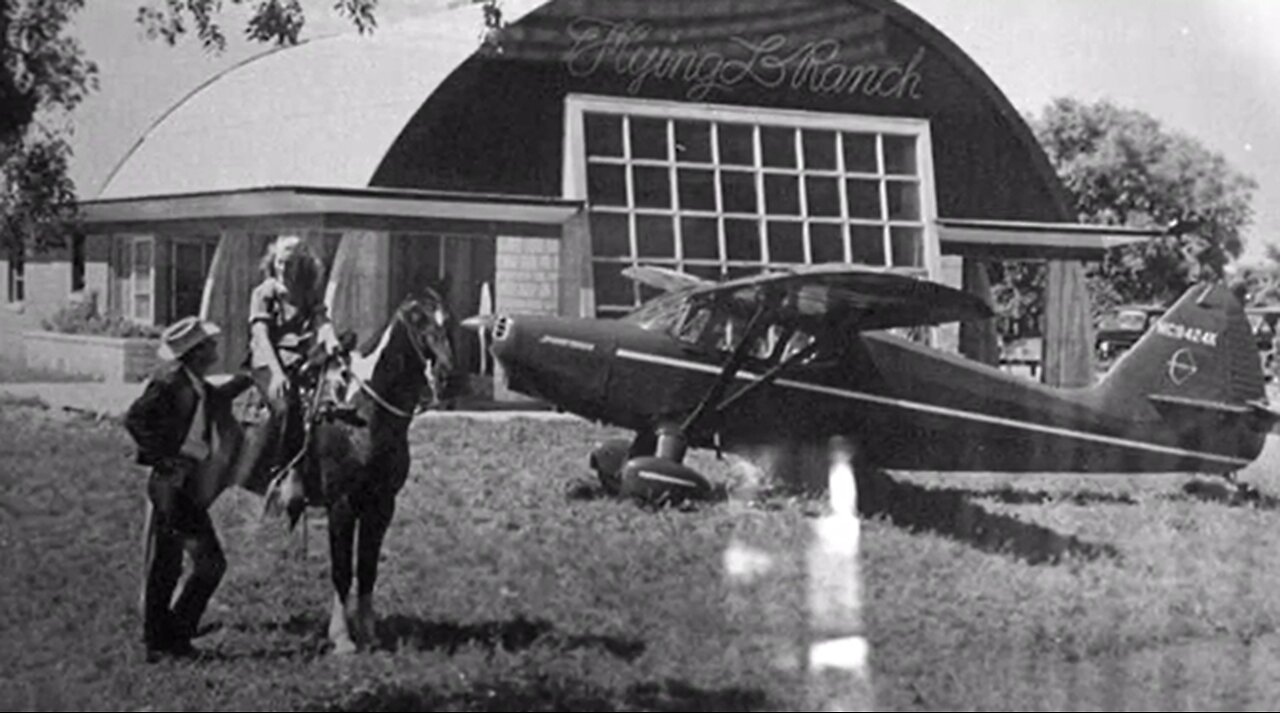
631, 50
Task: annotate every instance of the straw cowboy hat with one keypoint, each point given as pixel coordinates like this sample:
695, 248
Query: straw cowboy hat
184, 335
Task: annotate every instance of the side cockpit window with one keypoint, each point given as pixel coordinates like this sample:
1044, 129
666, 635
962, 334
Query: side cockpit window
718, 330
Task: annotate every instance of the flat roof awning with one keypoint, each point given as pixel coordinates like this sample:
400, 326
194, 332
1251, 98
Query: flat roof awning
319, 200
1029, 240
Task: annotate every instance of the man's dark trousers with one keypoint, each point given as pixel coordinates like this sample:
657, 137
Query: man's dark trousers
177, 525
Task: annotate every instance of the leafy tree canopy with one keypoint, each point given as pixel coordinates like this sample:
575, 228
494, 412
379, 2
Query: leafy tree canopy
1122, 167
43, 75
274, 21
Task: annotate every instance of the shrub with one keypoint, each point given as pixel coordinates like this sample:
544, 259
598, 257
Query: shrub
81, 316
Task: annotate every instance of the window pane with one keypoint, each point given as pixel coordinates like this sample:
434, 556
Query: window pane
697, 189
867, 244
655, 236
786, 242
736, 144
860, 153
606, 185
904, 200
823, 195
693, 141
652, 186
142, 307
612, 287
779, 146
610, 236
742, 239
782, 195
900, 155
604, 134
826, 242
648, 137
739, 192
864, 198
819, 149
733, 272
700, 237
142, 260
908, 247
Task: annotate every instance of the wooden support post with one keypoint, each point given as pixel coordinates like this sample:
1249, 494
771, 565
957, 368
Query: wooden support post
232, 276
1068, 329
575, 268
978, 339
359, 290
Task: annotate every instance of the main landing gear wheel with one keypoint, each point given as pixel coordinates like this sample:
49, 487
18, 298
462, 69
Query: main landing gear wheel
658, 481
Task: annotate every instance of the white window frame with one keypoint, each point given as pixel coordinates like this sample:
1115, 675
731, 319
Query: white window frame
575, 164
130, 243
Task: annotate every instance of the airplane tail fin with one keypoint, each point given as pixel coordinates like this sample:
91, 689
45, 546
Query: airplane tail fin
1199, 358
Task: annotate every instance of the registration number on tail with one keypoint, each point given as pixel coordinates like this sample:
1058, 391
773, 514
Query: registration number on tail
1195, 335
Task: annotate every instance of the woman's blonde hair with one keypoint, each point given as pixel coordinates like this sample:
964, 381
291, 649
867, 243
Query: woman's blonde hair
310, 269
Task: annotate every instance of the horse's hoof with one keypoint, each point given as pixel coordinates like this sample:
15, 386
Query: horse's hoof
344, 647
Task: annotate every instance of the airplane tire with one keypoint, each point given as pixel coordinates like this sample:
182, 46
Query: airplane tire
658, 481
607, 461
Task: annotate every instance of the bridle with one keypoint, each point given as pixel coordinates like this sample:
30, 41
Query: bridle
428, 372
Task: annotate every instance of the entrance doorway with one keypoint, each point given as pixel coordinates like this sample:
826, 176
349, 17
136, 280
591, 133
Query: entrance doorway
456, 266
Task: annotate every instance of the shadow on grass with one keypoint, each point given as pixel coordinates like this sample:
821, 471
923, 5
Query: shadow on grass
1011, 496
552, 695
400, 632
1224, 493
952, 512
584, 490
514, 635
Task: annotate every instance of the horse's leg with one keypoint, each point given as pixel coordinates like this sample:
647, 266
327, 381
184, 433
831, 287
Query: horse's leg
375, 518
342, 528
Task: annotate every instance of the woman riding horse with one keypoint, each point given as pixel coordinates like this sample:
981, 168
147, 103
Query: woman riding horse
287, 320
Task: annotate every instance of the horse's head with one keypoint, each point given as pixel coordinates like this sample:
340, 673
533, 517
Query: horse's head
426, 321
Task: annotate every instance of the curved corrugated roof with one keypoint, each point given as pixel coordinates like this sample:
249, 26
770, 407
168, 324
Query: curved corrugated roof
321, 113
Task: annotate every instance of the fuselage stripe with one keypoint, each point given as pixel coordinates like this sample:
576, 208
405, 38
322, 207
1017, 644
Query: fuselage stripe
934, 409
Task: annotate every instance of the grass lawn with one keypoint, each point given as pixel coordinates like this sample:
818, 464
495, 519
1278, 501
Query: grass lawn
505, 586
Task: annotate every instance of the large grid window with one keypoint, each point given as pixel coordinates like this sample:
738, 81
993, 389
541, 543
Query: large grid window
726, 193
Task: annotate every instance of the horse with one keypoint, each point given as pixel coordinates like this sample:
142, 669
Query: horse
363, 462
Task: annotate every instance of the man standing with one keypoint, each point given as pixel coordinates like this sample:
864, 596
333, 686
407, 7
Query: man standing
171, 422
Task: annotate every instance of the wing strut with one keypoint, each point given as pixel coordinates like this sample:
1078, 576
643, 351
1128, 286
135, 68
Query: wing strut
730, 368
769, 376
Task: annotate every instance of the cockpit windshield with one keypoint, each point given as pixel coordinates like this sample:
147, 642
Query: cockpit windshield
659, 314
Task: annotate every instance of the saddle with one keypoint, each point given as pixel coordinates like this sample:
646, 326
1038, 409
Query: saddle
322, 382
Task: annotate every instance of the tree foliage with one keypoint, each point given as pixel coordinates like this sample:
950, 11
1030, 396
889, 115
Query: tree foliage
274, 21
1122, 167
43, 75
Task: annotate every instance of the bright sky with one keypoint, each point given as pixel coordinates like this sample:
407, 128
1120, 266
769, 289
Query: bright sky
1204, 67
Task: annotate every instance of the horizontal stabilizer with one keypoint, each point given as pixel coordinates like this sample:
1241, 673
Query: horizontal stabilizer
1257, 413
1175, 403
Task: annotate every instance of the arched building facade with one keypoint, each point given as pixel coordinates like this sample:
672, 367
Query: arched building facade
721, 138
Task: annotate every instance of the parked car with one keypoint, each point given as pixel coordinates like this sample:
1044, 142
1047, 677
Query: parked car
1122, 327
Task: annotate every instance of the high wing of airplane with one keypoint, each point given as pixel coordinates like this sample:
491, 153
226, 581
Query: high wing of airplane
794, 358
